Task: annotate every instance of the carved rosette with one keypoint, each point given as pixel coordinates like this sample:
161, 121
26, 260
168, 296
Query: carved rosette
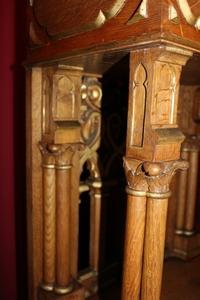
151, 179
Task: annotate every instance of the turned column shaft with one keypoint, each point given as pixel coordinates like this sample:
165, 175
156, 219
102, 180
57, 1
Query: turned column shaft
154, 248
182, 196
133, 252
62, 228
191, 192
95, 217
49, 227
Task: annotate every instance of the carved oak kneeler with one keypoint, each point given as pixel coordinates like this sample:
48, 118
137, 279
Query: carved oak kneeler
72, 44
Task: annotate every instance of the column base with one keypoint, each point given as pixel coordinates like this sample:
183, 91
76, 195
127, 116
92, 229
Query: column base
186, 247
89, 280
78, 293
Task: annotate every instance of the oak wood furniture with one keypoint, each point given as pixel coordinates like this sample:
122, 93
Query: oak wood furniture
183, 237
72, 44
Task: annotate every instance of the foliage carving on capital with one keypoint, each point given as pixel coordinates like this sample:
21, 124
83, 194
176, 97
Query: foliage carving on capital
62, 153
154, 177
159, 175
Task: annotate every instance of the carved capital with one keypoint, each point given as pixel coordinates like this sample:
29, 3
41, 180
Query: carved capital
151, 179
134, 175
60, 155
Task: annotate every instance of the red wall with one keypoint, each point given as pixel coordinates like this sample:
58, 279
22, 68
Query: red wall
12, 181
7, 218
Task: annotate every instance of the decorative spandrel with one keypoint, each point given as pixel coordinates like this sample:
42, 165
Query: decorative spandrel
90, 119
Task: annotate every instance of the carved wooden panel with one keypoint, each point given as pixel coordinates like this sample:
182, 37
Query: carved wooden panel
61, 103
165, 94
65, 17
139, 105
64, 98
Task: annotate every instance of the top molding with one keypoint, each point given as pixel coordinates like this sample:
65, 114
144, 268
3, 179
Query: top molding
60, 29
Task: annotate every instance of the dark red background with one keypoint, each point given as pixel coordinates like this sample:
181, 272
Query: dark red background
12, 151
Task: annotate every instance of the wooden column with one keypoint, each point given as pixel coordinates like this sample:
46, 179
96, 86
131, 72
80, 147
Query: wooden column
158, 176
187, 189
154, 247
49, 218
134, 240
91, 95
63, 283
90, 120
186, 240
60, 147
182, 196
152, 157
191, 190
95, 217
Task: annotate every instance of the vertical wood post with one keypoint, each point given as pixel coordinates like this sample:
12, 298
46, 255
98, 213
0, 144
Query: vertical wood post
187, 189
60, 146
49, 217
191, 192
182, 196
90, 120
152, 157
154, 248
63, 283
34, 179
133, 252
95, 218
